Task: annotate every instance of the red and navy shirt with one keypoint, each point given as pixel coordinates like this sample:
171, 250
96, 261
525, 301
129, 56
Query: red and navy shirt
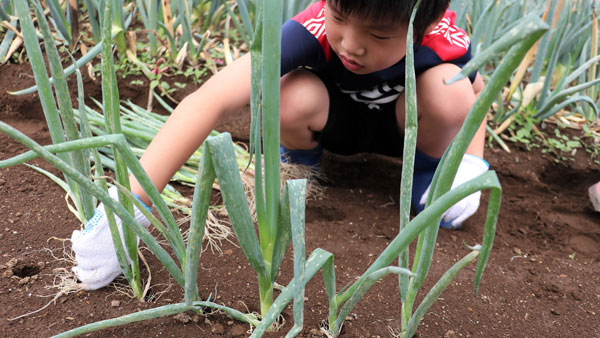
305, 44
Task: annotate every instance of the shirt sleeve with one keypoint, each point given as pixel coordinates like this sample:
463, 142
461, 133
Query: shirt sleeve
299, 48
304, 43
447, 43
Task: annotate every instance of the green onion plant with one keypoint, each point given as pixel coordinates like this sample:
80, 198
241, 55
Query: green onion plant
279, 217
95, 15
63, 127
10, 39
560, 70
425, 225
518, 41
63, 26
170, 22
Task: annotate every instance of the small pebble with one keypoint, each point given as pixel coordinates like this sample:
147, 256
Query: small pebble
115, 303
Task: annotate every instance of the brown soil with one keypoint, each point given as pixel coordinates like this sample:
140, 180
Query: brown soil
543, 278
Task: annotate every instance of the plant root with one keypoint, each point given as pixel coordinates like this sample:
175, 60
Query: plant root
313, 176
277, 325
216, 230
324, 329
66, 283
395, 333
148, 280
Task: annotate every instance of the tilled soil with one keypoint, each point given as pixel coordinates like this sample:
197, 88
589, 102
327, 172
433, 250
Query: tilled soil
543, 277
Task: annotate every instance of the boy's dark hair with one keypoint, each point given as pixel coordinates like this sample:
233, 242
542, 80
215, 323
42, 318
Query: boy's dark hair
395, 11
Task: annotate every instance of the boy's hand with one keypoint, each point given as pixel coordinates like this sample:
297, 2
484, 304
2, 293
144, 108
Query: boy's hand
470, 167
97, 263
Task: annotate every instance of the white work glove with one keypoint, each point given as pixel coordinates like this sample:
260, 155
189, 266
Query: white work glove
97, 263
470, 167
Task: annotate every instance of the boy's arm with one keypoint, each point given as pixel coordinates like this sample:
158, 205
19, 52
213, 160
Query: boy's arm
192, 121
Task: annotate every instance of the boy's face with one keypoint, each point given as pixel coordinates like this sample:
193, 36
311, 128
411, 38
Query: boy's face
364, 46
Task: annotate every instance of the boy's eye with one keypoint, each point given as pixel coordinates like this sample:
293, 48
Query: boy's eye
337, 18
379, 37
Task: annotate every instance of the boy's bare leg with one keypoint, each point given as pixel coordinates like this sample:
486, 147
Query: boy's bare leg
304, 109
442, 110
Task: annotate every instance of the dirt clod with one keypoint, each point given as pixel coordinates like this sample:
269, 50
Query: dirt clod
183, 318
317, 333
13, 261
577, 294
217, 328
237, 330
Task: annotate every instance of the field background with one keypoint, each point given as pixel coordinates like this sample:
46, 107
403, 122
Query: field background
543, 278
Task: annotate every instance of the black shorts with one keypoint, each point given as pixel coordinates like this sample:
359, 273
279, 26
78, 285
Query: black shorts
353, 128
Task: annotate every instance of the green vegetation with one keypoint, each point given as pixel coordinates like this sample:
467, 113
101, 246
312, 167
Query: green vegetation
552, 44
555, 81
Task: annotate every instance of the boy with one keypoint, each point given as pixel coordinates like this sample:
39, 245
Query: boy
343, 90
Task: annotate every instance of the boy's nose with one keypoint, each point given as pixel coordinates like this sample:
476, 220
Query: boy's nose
352, 46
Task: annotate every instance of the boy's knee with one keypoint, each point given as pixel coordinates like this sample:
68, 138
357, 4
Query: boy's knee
301, 84
448, 104
303, 95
